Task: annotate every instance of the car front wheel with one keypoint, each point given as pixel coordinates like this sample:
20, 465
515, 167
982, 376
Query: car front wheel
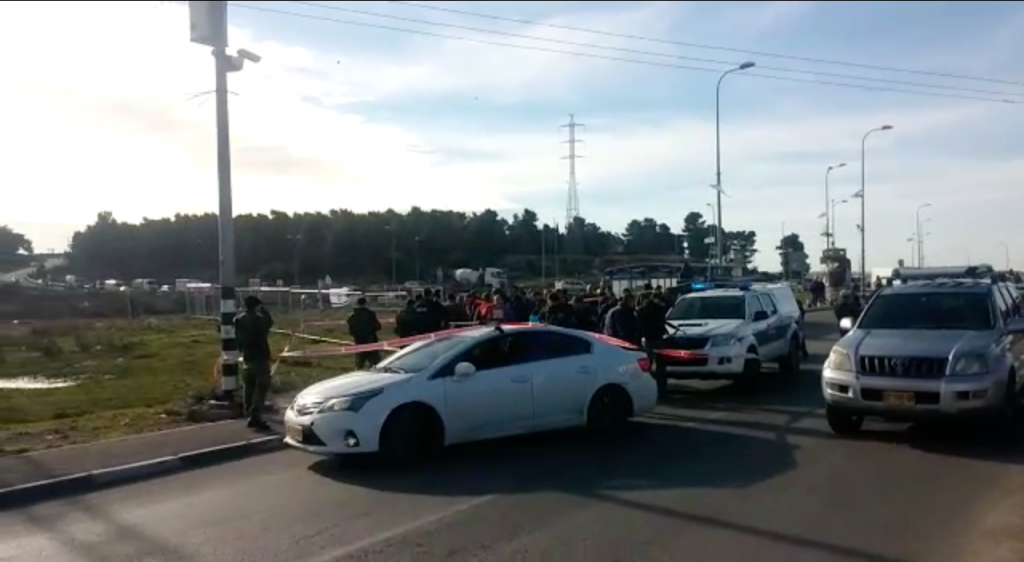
843, 423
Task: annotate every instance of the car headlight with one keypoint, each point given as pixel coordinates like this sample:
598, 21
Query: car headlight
974, 364
352, 403
839, 360
722, 341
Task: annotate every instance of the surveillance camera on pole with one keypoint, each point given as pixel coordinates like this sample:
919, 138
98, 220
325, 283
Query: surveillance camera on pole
249, 56
235, 63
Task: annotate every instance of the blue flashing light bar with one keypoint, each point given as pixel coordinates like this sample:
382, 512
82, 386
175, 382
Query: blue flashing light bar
741, 285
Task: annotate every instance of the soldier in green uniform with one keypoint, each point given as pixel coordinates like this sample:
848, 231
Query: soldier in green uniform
252, 328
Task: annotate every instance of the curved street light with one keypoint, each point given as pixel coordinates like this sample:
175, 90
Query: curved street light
920, 235
718, 148
863, 226
829, 234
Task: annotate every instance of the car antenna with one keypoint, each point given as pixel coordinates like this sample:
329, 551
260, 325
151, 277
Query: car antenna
498, 328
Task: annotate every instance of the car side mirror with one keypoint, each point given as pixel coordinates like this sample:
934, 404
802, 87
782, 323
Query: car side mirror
845, 326
760, 315
464, 370
1015, 326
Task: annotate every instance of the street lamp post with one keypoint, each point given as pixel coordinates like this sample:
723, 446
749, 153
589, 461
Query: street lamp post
1006, 254
832, 233
913, 244
920, 235
863, 198
714, 250
208, 23
718, 151
829, 229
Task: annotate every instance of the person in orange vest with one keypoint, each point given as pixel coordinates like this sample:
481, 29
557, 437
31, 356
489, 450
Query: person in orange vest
483, 310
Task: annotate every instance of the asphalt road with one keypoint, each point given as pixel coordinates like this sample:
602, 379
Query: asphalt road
717, 474
22, 274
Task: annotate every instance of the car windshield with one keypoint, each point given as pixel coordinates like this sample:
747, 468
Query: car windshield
420, 356
928, 311
709, 308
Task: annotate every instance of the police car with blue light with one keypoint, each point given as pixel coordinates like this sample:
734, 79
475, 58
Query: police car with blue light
730, 331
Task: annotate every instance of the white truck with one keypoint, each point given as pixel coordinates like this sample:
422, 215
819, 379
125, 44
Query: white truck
490, 276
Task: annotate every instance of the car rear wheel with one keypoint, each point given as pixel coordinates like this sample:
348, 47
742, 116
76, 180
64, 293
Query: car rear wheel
609, 408
843, 423
790, 363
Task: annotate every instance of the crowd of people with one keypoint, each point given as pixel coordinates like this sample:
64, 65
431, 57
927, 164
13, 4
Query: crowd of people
634, 318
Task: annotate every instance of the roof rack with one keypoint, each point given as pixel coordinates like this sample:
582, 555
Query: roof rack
949, 281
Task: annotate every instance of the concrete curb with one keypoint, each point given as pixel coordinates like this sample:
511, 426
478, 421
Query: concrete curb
76, 484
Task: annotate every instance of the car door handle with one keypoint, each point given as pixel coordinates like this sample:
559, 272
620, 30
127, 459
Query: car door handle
520, 379
583, 371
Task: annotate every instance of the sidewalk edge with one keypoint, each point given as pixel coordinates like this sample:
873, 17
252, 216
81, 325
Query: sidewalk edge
76, 484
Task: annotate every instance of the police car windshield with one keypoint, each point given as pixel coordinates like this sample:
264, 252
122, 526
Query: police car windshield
420, 356
725, 307
928, 311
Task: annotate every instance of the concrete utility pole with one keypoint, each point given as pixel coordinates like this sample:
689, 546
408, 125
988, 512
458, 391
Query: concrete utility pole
209, 26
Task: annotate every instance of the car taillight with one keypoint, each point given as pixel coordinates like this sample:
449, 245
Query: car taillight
644, 363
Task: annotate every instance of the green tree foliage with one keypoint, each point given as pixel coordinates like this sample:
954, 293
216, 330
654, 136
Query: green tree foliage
358, 247
12, 242
789, 245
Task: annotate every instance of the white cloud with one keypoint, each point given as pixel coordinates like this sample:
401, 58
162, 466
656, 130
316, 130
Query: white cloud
97, 119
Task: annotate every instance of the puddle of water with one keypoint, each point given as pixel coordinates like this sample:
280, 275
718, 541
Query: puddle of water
35, 383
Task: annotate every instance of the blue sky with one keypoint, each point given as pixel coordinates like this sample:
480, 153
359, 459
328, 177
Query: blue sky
346, 116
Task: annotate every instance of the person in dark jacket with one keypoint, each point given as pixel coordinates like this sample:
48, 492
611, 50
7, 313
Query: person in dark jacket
438, 313
651, 317
621, 322
405, 320
586, 315
424, 314
559, 313
363, 326
252, 328
849, 305
455, 311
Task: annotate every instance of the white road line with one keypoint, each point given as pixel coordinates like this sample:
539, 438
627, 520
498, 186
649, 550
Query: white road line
399, 531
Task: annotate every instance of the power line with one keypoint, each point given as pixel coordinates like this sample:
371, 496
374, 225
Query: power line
616, 59
657, 54
709, 47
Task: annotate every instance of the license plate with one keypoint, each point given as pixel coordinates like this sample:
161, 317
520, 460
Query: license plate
898, 398
294, 432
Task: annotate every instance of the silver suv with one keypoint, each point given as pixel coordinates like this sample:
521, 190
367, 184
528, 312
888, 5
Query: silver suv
928, 349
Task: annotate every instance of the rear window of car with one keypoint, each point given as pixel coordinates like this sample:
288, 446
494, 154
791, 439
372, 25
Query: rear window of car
785, 301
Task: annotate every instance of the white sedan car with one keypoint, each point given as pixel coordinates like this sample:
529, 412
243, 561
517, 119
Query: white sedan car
474, 384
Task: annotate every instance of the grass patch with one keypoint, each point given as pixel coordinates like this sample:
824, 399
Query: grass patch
127, 377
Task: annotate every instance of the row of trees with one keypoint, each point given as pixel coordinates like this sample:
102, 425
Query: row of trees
378, 246
12, 242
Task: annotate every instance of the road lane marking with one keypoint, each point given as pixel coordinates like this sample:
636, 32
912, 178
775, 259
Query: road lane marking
401, 530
